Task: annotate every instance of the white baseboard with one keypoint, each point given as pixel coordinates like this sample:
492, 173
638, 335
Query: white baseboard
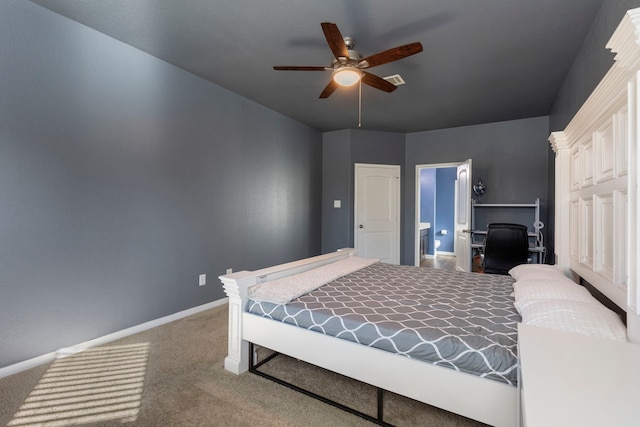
67, 351
445, 253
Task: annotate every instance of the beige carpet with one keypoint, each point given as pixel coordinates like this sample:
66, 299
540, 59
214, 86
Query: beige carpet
173, 375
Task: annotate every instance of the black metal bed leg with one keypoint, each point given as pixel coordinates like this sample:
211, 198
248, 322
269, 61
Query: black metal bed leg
380, 404
255, 364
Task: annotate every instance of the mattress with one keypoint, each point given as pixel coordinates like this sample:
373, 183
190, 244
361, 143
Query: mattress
462, 321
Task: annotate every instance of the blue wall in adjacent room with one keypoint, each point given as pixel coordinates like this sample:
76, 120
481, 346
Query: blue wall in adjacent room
437, 206
445, 208
428, 202
427, 195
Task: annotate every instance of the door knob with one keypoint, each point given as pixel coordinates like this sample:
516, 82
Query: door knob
361, 226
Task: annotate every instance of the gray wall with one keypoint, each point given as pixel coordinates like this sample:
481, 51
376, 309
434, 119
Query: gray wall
341, 151
122, 178
591, 64
336, 175
510, 157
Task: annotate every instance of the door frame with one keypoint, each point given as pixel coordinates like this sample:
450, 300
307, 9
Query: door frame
397, 231
416, 225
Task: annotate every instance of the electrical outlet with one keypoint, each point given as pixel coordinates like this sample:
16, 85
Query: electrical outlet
202, 280
229, 270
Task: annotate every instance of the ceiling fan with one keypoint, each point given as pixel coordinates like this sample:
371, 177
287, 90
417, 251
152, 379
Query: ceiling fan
348, 66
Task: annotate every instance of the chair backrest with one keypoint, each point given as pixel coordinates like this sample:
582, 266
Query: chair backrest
505, 246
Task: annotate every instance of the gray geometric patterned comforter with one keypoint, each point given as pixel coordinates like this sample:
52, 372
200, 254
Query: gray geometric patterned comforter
463, 321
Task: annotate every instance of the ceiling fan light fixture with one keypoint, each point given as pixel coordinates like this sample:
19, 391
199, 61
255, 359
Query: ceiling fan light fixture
347, 76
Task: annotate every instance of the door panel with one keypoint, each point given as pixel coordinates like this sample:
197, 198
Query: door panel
463, 217
377, 212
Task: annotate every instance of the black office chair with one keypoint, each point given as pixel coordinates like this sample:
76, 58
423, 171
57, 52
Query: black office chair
505, 246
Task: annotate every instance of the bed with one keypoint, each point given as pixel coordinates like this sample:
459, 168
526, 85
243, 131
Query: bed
494, 392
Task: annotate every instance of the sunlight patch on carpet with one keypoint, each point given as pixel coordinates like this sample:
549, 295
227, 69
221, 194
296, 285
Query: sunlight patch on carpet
98, 384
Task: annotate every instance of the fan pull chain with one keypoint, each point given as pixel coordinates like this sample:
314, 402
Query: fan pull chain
360, 104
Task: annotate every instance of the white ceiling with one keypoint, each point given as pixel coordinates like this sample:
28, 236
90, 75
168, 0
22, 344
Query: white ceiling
483, 60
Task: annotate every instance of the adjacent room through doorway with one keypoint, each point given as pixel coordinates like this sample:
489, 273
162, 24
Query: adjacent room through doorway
436, 216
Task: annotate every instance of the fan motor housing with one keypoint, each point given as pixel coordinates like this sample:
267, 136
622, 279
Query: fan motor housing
353, 60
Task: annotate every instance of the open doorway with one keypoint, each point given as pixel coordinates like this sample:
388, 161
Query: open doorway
436, 215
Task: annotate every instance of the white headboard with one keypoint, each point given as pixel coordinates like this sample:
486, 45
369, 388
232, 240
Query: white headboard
597, 215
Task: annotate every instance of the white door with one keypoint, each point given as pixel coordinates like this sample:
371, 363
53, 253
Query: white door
377, 212
463, 217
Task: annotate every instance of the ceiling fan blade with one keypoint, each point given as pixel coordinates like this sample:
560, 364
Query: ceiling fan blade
329, 89
378, 82
391, 55
300, 68
335, 40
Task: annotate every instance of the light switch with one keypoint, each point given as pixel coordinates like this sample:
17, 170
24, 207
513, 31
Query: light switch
337, 203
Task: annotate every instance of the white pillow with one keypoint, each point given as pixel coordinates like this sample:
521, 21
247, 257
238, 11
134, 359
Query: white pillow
580, 317
535, 271
531, 290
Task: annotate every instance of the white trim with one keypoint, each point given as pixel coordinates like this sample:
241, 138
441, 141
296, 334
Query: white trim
445, 253
67, 351
27, 364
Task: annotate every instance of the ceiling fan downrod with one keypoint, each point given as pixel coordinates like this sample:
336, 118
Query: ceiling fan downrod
360, 104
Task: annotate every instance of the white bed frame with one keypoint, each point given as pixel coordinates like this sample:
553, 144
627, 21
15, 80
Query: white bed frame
485, 400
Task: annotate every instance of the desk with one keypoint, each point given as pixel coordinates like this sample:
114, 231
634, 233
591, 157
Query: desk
483, 214
575, 380
538, 251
